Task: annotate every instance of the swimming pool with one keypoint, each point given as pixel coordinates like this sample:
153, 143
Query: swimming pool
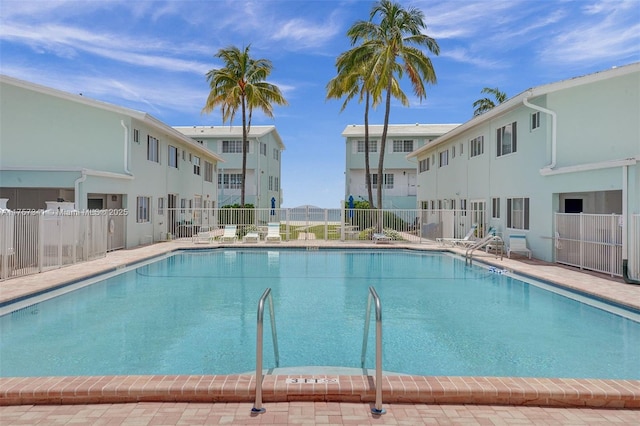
195, 313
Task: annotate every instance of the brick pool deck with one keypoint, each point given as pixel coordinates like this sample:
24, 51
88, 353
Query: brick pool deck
502, 397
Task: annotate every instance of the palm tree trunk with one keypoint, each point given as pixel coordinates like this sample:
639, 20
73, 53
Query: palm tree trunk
367, 167
383, 144
244, 152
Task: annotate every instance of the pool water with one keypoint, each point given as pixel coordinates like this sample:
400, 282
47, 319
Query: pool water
195, 313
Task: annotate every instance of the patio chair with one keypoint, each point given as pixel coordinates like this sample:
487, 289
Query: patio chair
229, 235
464, 241
203, 236
273, 233
518, 244
251, 237
380, 238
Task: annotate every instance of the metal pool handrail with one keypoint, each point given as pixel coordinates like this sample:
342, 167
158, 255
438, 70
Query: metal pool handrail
266, 296
373, 296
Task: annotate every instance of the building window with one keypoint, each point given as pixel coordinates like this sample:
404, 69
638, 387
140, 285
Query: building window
402, 145
444, 158
152, 149
373, 146
476, 146
231, 147
196, 165
461, 148
277, 184
424, 205
463, 207
263, 148
506, 139
495, 208
270, 183
276, 154
173, 157
518, 213
208, 171
423, 165
142, 209
387, 184
230, 181
535, 120
161, 206
136, 135
453, 152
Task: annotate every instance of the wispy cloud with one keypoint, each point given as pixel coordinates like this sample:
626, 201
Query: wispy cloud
610, 30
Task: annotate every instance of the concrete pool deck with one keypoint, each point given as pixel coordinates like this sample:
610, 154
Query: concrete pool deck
356, 390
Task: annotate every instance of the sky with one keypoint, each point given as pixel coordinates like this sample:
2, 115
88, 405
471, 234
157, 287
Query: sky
152, 56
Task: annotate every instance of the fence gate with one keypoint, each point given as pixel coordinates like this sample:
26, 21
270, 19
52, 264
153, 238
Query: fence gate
589, 241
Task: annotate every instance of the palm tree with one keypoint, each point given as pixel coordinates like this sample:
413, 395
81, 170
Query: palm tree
241, 84
392, 48
485, 104
349, 83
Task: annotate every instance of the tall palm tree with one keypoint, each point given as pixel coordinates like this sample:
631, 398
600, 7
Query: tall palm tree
485, 104
391, 48
349, 83
241, 84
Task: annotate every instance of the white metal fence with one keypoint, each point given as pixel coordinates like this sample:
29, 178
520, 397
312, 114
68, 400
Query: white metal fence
327, 224
590, 241
35, 241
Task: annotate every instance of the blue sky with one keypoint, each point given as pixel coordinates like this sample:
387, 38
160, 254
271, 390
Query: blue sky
152, 56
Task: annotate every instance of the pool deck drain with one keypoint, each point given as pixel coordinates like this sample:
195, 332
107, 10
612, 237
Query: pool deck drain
552, 392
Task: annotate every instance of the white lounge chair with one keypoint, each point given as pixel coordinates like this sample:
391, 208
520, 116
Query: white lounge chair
273, 233
251, 237
518, 244
464, 241
229, 235
204, 235
380, 238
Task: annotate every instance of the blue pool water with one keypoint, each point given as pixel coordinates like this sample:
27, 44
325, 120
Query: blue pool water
195, 313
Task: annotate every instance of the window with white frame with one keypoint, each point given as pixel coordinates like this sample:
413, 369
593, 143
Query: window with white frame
476, 146
402, 145
506, 137
152, 149
161, 206
208, 171
518, 213
196, 165
231, 147
461, 148
495, 208
463, 207
276, 154
277, 184
424, 205
373, 146
172, 159
453, 152
444, 158
535, 120
387, 184
230, 181
270, 183
263, 148
423, 165
142, 209
136, 135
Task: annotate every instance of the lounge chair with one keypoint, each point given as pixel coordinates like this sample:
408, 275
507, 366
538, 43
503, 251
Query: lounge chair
251, 237
518, 244
204, 235
229, 235
380, 238
273, 233
464, 241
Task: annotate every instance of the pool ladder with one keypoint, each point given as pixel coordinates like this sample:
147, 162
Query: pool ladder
373, 298
266, 297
